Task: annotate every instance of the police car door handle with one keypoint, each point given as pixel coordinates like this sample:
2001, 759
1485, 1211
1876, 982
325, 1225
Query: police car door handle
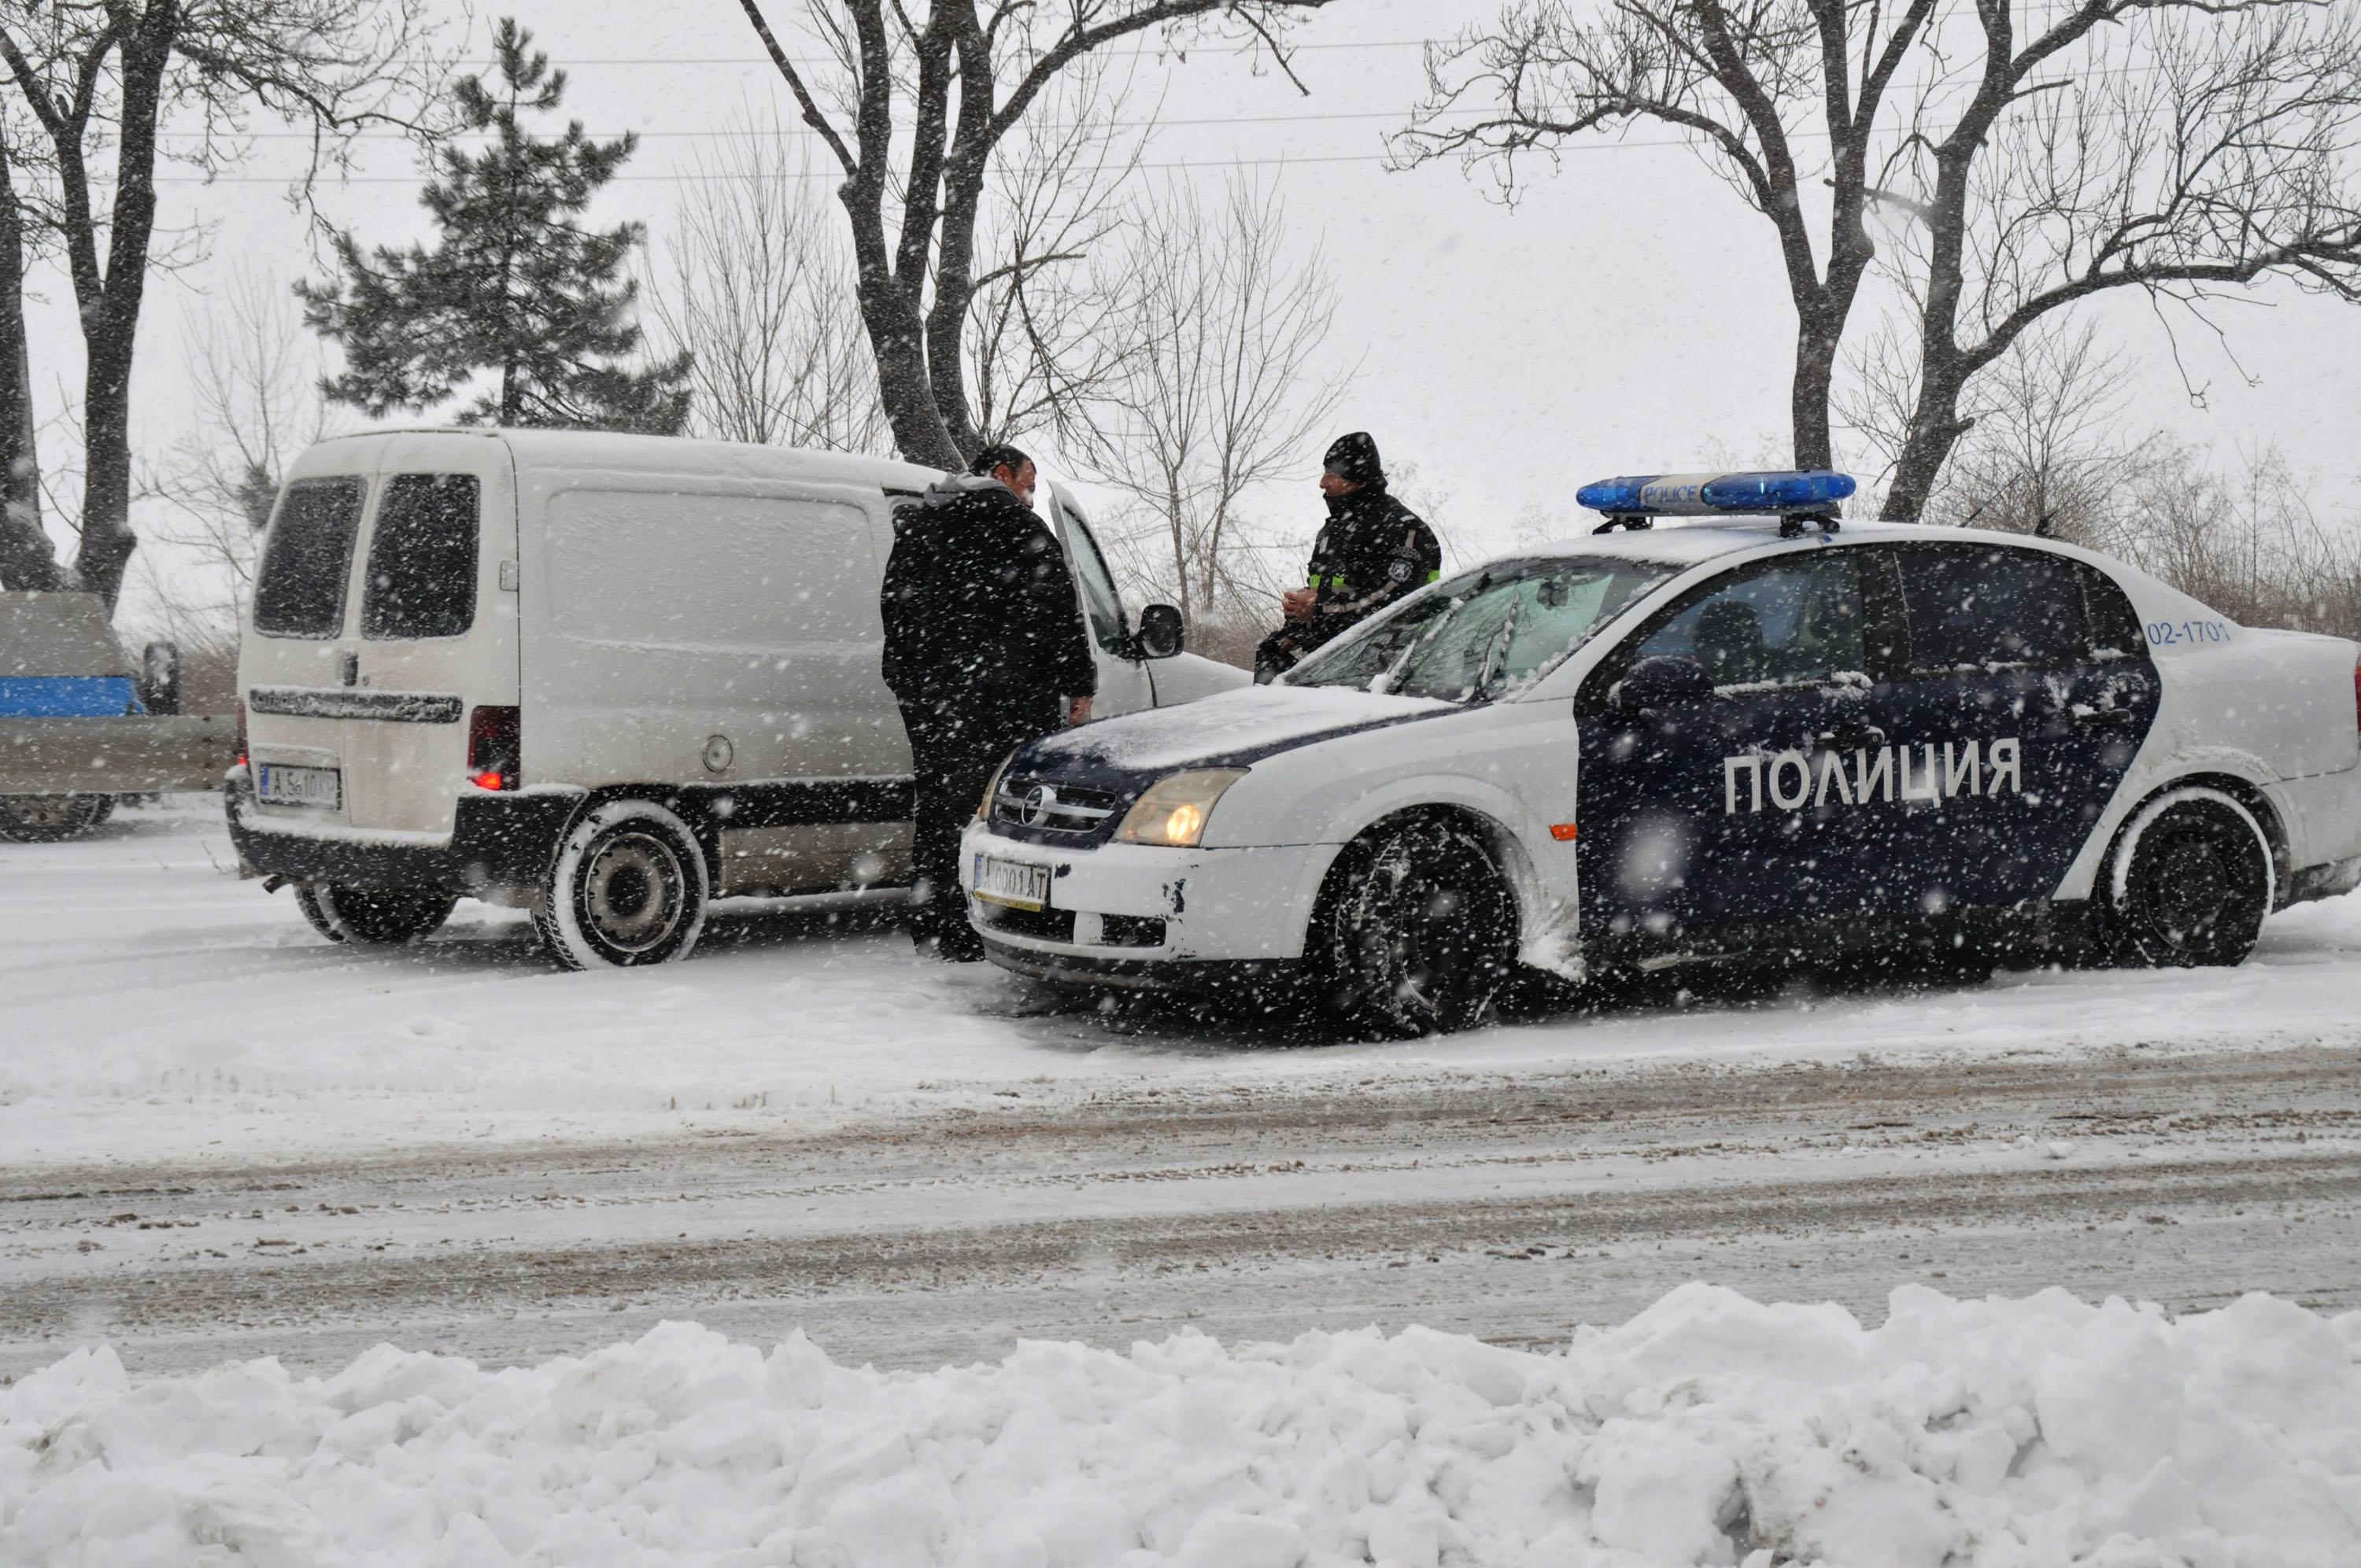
1852, 735
2112, 718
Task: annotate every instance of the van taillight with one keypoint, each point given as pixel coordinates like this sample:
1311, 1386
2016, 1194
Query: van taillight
241, 730
2357, 695
495, 744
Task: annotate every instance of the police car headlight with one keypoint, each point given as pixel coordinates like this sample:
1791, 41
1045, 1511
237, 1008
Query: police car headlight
992, 786
1173, 811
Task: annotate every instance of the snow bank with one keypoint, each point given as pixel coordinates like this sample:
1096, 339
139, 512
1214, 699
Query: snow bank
1708, 1429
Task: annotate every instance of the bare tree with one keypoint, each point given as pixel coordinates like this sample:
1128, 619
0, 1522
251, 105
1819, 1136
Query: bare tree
2247, 542
760, 297
2046, 451
2168, 145
100, 77
1045, 331
1212, 396
913, 109
27, 559
254, 374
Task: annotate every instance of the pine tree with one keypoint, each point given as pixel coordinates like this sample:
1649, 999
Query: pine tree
518, 286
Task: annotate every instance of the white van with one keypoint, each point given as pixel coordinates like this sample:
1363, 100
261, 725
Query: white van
605, 679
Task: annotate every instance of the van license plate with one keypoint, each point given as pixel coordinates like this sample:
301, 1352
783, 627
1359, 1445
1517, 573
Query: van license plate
278, 784
1011, 882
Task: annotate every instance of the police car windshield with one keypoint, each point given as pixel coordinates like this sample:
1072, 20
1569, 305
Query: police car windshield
1486, 634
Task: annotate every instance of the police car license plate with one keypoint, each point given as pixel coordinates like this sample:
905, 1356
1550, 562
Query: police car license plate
275, 783
1014, 884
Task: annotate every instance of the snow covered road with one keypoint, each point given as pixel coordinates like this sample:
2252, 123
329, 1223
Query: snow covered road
226, 1138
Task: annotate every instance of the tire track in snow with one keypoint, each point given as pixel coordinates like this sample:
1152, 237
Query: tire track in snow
1506, 1205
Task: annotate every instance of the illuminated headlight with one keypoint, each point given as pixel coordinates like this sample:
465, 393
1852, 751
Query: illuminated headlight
1173, 811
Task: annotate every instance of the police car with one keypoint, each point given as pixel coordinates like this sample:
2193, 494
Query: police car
1761, 734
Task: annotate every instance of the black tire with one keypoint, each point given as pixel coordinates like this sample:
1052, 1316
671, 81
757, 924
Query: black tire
374, 917
1415, 932
629, 886
2191, 882
49, 819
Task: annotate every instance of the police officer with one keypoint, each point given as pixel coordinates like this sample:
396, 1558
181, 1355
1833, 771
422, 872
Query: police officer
1373, 551
984, 636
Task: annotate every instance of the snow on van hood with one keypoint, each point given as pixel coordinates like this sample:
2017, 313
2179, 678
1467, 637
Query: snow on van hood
1239, 725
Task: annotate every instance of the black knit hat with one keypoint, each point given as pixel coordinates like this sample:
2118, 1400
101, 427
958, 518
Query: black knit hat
1355, 457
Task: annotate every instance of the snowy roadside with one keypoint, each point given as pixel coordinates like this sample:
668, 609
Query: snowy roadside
160, 1009
1706, 1430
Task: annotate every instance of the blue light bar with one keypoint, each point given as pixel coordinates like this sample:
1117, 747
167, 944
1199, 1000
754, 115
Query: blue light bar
1621, 497
1706, 495
1779, 491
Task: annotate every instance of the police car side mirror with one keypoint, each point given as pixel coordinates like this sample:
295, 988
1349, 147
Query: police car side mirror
1667, 680
1160, 635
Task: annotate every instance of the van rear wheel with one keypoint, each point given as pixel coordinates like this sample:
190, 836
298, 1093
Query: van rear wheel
374, 917
629, 887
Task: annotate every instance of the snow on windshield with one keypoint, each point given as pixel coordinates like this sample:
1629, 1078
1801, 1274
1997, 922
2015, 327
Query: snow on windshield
1486, 634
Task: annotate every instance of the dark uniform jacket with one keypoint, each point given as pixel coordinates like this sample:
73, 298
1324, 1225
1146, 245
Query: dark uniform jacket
978, 600
1373, 551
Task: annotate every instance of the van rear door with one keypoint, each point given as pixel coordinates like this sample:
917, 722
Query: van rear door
435, 631
298, 655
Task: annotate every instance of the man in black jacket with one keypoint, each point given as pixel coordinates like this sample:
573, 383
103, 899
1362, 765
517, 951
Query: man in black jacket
984, 636
1373, 551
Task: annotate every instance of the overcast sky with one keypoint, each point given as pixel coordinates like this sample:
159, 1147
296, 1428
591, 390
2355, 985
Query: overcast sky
1628, 315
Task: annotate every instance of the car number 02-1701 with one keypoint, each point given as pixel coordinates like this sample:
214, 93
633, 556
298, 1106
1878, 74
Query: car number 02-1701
2168, 633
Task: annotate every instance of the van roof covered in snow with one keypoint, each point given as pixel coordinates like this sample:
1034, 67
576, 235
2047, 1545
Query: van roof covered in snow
614, 452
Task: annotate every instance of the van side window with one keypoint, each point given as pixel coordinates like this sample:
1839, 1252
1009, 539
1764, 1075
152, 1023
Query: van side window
1100, 600
300, 591
422, 560
1975, 606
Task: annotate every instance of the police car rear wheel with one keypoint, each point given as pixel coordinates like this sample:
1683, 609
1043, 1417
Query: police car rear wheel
629, 887
48, 818
1417, 932
2191, 882
374, 917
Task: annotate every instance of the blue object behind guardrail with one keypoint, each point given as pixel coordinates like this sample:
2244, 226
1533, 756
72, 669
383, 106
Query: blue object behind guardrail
67, 697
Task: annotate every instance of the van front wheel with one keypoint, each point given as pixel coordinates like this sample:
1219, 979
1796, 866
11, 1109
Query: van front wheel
629, 887
373, 917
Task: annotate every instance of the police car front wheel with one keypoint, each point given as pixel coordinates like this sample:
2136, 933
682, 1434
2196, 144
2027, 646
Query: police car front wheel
1416, 932
2191, 882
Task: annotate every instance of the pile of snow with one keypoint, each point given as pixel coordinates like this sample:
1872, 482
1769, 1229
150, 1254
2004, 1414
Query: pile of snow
1708, 1429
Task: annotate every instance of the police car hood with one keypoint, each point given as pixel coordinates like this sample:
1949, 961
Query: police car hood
1234, 729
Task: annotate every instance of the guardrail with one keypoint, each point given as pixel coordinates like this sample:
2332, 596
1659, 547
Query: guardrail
127, 754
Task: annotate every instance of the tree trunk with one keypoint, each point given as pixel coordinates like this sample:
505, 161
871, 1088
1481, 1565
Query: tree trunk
897, 338
1935, 428
1816, 362
27, 561
107, 542
110, 315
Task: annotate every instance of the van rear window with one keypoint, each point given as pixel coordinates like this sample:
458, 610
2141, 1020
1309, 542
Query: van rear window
300, 591
422, 558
